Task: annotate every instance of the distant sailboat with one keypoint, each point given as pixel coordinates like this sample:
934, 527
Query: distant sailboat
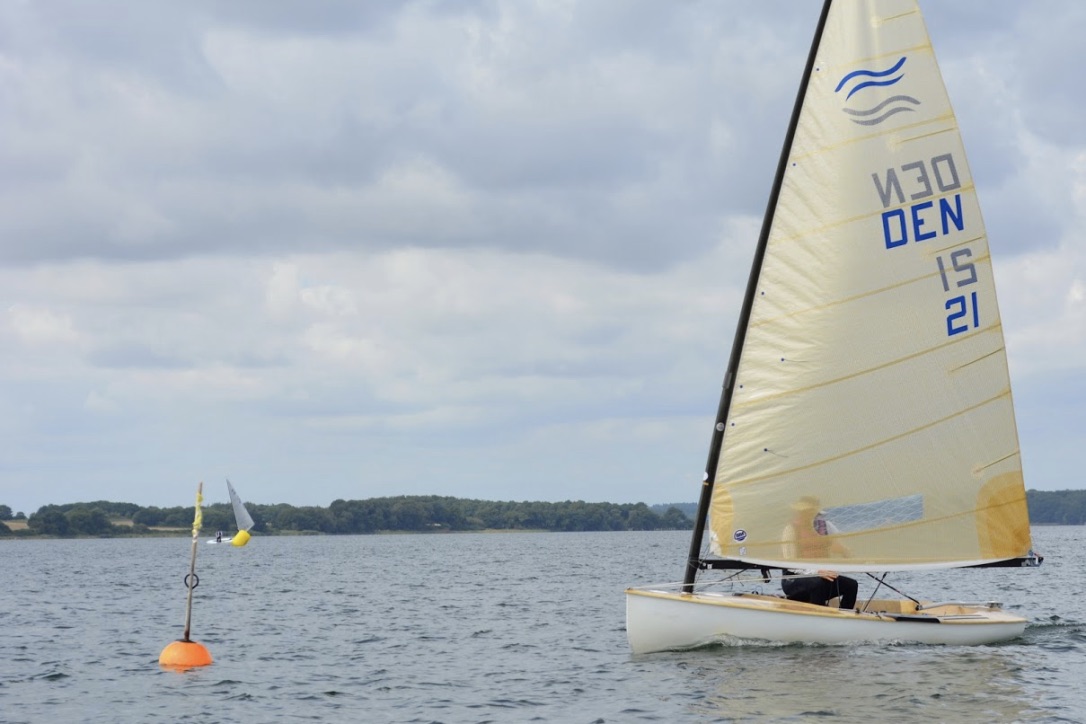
866, 423
242, 519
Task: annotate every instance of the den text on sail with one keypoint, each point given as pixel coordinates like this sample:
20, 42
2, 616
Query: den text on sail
910, 188
925, 206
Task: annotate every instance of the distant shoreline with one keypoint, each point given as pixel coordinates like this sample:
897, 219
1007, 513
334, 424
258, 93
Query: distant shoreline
186, 532
411, 514
403, 513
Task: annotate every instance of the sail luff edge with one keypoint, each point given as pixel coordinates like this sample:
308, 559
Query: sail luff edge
693, 558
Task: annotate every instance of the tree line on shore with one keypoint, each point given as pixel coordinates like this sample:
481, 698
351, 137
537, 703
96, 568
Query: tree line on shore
416, 514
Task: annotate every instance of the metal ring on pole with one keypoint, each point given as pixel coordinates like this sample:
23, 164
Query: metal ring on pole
195, 580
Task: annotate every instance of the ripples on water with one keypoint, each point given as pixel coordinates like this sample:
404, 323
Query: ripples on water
476, 628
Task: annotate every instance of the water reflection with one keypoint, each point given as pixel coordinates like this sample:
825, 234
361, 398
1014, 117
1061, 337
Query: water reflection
856, 683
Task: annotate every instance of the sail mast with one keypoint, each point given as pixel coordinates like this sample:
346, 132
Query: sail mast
694, 556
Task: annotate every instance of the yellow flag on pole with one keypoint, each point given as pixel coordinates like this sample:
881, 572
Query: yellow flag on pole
198, 520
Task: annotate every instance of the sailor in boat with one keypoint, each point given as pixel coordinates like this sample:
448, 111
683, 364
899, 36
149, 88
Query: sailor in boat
810, 535
218, 537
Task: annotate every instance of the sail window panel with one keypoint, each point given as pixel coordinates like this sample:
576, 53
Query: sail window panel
948, 477
890, 512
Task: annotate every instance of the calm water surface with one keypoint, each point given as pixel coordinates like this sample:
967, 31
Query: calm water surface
476, 628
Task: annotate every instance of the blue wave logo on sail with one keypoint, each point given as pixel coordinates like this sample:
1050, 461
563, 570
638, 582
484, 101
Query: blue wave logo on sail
863, 79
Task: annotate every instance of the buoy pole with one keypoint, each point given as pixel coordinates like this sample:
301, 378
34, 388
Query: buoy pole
186, 653
191, 579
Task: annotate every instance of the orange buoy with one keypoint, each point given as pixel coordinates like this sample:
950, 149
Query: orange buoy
184, 655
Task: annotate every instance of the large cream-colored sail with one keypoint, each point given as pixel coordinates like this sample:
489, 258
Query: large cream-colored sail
873, 382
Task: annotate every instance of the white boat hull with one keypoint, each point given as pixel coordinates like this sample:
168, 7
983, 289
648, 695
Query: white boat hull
660, 620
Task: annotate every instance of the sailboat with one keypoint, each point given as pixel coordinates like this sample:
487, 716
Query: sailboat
866, 424
241, 517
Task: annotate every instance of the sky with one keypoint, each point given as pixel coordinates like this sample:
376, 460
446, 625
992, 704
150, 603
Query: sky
486, 249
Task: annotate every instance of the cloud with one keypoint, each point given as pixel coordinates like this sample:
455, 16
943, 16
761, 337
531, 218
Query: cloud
490, 249
39, 326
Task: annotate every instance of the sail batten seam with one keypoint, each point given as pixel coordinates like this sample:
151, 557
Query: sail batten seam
860, 450
758, 400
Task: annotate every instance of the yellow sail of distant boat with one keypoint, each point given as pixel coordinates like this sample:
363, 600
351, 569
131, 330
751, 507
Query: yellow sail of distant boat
241, 517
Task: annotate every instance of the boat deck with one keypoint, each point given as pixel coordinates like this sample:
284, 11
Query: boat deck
892, 608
